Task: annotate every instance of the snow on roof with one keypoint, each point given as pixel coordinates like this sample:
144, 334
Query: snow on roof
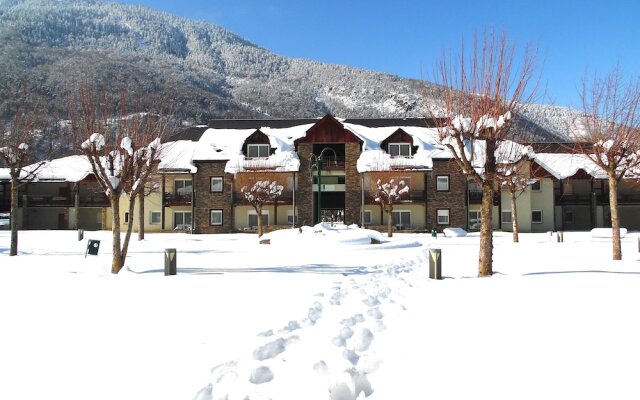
178, 155
374, 158
67, 169
562, 165
226, 144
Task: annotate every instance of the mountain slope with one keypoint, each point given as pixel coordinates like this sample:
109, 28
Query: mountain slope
206, 70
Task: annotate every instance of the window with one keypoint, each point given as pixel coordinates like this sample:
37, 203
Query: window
155, 217
506, 217
366, 217
535, 186
181, 219
257, 150
402, 219
215, 217
442, 183
126, 217
536, 217
568, 217
291, 219
183, 188
443, 216
475, 220
216, 184
253, 218
399, 149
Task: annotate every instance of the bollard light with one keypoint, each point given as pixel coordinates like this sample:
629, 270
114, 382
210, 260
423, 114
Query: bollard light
435, 264
170, 262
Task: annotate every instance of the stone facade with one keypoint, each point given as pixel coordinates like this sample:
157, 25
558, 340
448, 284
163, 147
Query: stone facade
453, 200
205, 200
353, 185
304, 189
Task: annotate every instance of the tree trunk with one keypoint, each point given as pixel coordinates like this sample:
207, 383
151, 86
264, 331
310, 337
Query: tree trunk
76, 205
127, 236
615, 220
259, 213
141, 215
514, 215
389, 220
14, 217
116, 260
485, 267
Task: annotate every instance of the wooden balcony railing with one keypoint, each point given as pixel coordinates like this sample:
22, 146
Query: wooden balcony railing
177, 198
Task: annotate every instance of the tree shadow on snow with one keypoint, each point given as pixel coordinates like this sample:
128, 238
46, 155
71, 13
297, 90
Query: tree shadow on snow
594, 271
309, 269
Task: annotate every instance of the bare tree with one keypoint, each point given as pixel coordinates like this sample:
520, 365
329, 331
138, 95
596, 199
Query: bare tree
123, 146
142, 194
18, 136
387, 194
609, 134
483, 91
261, 193
515, 181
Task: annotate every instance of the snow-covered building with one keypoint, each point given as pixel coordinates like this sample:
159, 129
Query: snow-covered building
63, 195
328, 168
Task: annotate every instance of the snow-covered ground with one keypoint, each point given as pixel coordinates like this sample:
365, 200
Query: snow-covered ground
322, 314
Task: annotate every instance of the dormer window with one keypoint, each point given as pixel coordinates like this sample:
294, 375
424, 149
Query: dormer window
257, 150
400, 150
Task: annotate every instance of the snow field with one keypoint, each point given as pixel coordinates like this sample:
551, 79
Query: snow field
321, 314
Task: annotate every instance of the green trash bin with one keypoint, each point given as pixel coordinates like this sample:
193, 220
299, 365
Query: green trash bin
92, 247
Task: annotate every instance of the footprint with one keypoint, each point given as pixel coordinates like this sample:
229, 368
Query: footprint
362, 340
341, 339
272, 349
375, 313
261, 375
349, 322
225, 372
315, 313
351, 355
321, 367
206, 393
371, 301
266, 333
291, 326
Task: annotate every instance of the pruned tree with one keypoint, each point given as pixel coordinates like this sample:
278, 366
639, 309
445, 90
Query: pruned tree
483, 91
387, 194
261, 193
609, 134
19, 132
123, 146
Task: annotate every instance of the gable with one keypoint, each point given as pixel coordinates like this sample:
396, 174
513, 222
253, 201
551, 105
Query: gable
399, 136
328, 130
257, 137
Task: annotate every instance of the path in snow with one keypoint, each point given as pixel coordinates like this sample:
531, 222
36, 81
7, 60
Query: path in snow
299, 352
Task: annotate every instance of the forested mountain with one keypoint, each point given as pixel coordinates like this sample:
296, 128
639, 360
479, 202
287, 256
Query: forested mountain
207, 71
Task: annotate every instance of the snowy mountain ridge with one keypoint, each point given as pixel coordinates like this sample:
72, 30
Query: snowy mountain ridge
208, 70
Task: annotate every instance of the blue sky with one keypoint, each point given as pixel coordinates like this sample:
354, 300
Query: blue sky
407, 37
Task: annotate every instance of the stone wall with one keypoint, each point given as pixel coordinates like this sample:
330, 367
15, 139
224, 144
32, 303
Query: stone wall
454, 200
204, 200
353, 185
304, 189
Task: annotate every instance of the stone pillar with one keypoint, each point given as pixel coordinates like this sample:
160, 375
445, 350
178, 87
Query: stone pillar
353, 184
304, 192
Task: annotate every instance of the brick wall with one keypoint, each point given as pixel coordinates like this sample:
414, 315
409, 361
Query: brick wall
454, 200
205, 200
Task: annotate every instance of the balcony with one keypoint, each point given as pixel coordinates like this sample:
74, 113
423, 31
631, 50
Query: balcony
586, 199
95, 200
284, 198
475, 197
177, 199
47, 201
413, 196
